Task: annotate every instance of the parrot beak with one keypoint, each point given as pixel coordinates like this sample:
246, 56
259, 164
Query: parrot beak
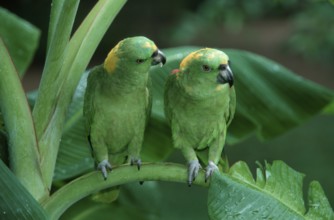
158, 58
225, 75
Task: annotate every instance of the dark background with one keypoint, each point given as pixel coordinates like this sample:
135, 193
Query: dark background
269, 28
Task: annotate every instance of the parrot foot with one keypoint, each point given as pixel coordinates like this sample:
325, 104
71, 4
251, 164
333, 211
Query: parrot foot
134, 161
193, 168
103, 166
210, 169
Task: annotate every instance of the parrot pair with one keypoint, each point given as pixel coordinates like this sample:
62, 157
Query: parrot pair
199, 104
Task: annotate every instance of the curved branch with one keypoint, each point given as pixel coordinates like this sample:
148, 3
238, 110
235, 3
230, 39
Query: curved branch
93, 182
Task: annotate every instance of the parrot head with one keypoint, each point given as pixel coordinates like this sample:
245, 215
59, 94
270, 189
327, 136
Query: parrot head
205, 71
135, 54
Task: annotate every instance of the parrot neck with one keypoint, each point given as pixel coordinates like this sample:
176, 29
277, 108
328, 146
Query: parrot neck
200, 90
124, 82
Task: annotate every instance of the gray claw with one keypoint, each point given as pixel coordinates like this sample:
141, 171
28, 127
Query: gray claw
137, 161
193, 168
210, 169
103, 166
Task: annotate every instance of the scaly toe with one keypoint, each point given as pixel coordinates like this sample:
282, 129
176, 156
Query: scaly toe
210, 169
193, 168
103, 166
137, 161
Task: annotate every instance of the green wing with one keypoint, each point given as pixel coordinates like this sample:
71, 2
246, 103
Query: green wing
149, 99
88, 107
232, 106
170, 83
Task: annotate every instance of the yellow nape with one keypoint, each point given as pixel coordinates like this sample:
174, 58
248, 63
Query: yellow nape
217, 53
150, 45
111, 60
208, 52
186, 60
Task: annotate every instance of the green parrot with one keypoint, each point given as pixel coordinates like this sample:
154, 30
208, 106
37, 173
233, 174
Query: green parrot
200, 103
117, 102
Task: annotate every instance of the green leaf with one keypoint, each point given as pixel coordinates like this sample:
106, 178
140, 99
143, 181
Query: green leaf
74, 156
308, 148
276, 194
157, 144
61, 23
270, 98
329, 109
20, 37
319, 206
15, 201
23, 148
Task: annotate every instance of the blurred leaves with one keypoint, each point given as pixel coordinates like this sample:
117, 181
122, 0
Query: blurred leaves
313, 38
21, 46
15, 201
310, 38
275, 194
232, 15
329, 109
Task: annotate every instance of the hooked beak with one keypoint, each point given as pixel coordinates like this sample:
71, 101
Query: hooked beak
225, 75
158, 58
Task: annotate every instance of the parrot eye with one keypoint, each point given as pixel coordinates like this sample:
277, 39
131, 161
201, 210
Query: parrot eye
206, 68
140, 61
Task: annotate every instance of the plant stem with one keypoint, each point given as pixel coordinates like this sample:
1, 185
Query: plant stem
62, 17
23, 148
93, 182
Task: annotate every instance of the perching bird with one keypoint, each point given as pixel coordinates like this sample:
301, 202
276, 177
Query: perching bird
118, 102
199, 105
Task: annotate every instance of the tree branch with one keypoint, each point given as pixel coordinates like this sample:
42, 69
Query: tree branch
93, 182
